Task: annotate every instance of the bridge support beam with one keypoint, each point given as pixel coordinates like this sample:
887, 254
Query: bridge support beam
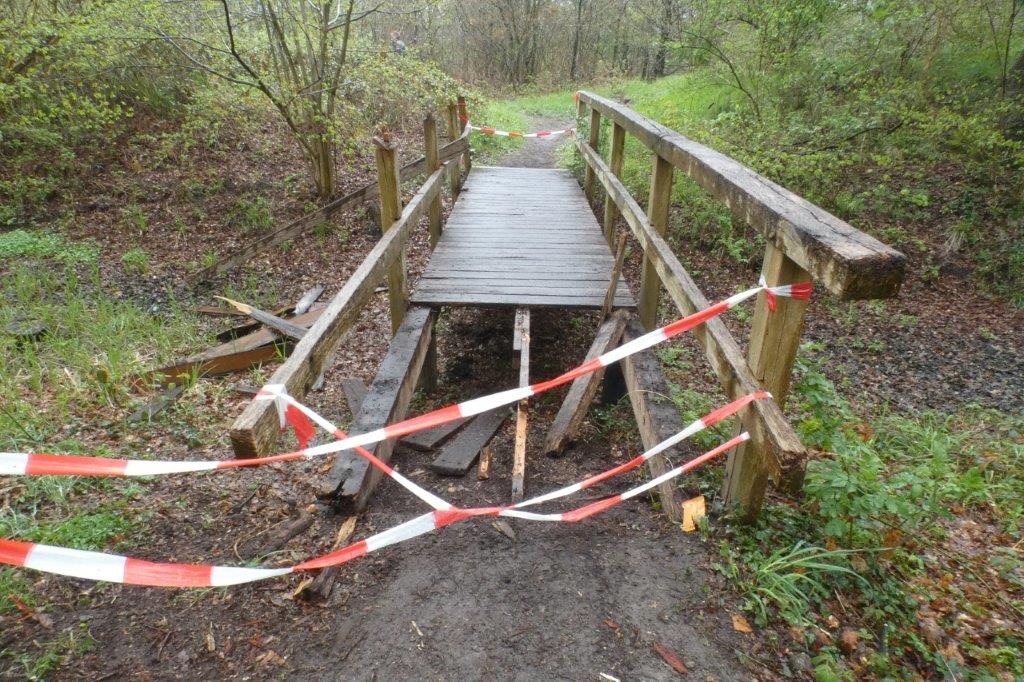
390, 210
657, 213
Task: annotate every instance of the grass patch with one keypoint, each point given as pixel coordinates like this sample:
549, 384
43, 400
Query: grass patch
21, 244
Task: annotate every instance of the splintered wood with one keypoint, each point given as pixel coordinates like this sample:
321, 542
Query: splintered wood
521, 343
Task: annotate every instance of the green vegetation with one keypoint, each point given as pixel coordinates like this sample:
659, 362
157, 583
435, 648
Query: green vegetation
17, 245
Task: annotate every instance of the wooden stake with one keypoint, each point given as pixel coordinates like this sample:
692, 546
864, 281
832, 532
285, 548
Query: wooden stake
463, 118
390, 210
657, 213
521, 342
774, 340
484, 470
454, 130
611, 211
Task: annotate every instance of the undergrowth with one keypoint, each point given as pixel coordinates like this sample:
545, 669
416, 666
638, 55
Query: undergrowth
895, 508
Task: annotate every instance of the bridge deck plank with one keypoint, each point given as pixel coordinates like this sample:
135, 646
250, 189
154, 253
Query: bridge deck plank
520, 237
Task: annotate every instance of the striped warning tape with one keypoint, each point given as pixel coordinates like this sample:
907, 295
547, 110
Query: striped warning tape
45, 464
487, 130
115, 568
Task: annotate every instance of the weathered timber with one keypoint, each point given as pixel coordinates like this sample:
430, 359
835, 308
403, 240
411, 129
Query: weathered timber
255, 430
582, 391
289, 329
452, 150
765, 421
355, 393
657, 416
308, 298
161, 402
222, 363
352, 480
521, 343
594, 139
240, 330
659, 202
428, 440
615, 163
534, 236
774, 340
433, 163
457, 456
390, 187
850, 263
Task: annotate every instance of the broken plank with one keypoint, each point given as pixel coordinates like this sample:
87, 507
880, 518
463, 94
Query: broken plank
221, 364
352, 480
458, 455
289, 329
582, 391
425, 441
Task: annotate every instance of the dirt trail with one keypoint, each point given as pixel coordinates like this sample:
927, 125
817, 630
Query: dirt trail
538, 152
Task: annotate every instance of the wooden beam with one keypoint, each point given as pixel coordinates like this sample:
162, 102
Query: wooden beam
657, 416
352, 479
279, 324
521, 343
765, 421
255, 431
615, 163
294, 229
658, 204
850, 263
467, 160
454, 132
433, 163
308, 298
425, 441
390, 185
774, 340
582, 391
213, 365
457, 457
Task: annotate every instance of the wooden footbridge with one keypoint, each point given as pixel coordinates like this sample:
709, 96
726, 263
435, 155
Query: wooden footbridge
525, 238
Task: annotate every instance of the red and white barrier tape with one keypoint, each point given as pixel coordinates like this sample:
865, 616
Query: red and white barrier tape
115, 568
43, 464
495, 132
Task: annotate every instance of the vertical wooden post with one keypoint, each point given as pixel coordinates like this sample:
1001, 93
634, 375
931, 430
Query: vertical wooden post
454, 130
594, 140
657, 212
521, 343
611, 211
390, 210
433, 163
581, 112
463, 119
774, 340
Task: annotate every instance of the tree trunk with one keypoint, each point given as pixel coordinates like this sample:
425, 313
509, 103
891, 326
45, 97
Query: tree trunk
574, 67
321, 157
661, 54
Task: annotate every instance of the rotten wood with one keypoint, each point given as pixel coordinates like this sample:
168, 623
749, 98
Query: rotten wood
850, 263
583, 390
457, 456
352, 480
289, 329
256, 430
521, 342
657, 417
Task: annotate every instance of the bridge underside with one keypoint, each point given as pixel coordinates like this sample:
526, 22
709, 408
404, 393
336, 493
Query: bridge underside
520, 237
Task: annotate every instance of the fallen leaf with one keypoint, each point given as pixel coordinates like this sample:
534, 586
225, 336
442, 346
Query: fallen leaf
306, 582
612, 624
270, 658
740, 624
211, 645
504, 529
848, 640
693, 510
670, 657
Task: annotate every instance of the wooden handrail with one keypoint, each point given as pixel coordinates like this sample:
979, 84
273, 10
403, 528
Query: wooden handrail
850, 263
256, 429
765, 420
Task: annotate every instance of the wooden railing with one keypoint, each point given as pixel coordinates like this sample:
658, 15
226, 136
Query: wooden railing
804, 242
255, 431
